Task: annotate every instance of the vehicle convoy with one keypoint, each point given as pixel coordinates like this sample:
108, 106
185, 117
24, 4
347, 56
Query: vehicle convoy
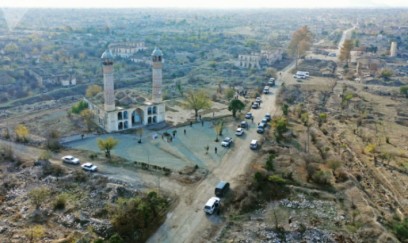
266, 90
212, 205
69, 159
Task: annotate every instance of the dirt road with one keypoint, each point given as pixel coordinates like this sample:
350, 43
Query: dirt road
188, 220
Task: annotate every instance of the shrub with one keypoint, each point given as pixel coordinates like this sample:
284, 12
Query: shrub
38, 196
322, 177
401, 230
60, 201
80, 176
370, 148
276, 179
79, 106
35, 233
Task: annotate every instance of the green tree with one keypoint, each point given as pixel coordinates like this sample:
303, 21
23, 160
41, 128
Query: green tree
22, 133
197, 100
404, 91
285, 109
281, 126
300, 43
107, 145
345, 51
235, 105
79, 106
38, 196
93, 90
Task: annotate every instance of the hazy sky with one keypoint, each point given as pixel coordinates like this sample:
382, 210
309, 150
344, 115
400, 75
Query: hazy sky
203, 3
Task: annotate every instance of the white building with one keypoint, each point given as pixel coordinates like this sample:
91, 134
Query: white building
114, 118
127, 49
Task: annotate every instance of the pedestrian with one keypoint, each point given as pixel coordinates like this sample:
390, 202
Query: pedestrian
174, 133
252, 119
213, 114
215, 150
82, 136
202, 123
185, 131
191, 124
199, 117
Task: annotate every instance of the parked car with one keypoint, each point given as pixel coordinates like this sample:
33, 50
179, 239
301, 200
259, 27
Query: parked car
89, 167
244, 124
212, 205
255, 105
69, 159
260, 130
264, 120
268, 117
262, 125
222, 188
254, 144
258, 100
271, 82
226, 142
248, 115
239, 131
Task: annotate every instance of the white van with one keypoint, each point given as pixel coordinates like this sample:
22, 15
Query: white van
301, 75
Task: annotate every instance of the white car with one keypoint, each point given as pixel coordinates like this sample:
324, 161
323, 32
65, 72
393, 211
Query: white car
226, 142
239, 131
254, 144
69, 159
212, 205
89, 167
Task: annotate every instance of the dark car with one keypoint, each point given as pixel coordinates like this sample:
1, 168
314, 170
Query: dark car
244, 124
268, 117
222, 188
248, 115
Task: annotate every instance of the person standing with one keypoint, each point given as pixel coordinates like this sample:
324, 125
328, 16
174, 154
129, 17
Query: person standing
215, 150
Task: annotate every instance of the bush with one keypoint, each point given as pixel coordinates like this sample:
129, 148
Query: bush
322, 177
401, 230
79, 106
60, 201
80, 176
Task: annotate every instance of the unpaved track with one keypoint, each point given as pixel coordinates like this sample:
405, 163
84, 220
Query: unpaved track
188, 220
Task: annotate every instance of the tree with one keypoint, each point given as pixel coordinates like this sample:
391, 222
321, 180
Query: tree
229, 94
79, 106
218, 127
235, 105
345, 51
404, 91
38, 196
93, 90
139, 132
385, 74
300, 43
285, 109
53, 140
22, 133
87, 117
107, 145
281, 126
197, 100
270, 73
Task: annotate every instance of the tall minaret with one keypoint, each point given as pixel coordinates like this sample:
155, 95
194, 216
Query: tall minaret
108, 83
157, 61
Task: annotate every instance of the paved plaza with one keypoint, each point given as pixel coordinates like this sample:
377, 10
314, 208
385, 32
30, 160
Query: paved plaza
184, 149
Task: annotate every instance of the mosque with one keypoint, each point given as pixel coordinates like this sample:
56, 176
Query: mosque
137, 112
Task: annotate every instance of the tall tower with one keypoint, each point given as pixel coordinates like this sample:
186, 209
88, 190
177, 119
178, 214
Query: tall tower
393, 49
157, 60
108, 83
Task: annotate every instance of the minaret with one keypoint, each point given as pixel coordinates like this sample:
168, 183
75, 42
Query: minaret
393, 49
108, 83
157, 61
